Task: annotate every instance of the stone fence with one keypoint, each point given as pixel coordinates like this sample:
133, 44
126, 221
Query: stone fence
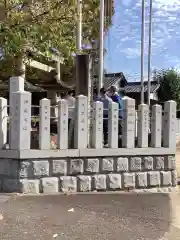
88, 166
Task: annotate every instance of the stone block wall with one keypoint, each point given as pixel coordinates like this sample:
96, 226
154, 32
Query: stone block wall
87, 174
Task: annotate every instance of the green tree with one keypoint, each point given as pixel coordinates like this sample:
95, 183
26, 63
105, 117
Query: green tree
169, 85
42, 24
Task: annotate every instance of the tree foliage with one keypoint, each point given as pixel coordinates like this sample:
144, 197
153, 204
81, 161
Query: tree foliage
169, 85
42, 24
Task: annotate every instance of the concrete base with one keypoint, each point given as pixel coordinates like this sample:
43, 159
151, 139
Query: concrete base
86, 174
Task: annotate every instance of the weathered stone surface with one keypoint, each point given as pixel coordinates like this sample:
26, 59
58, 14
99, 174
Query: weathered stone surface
20, 130
159, 163
153, 178
68, 184
5, 167
148, 163
81, 123
166, 178
174, 178
50, 185
59, 167
135, 164
26, 169
129, 180
41, 168
122, 164
92, 165
141, 179
114, 181
76, 166
14, 169
170, 162
84, 183
11, 185
99, 182
30, 186
107, 165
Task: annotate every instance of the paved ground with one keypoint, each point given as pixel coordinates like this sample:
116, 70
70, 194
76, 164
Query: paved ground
95, 216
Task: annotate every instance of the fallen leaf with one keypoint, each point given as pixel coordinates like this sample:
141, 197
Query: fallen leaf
55, 235
71, 210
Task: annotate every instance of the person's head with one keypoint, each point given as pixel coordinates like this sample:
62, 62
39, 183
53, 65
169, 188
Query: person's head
102, 91
71, 93
112, 89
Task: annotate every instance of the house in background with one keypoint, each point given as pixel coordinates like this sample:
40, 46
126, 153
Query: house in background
131, 89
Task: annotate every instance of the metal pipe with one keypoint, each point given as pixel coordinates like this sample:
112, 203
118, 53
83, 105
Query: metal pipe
101, 46
149, 52
142, 51
79, 25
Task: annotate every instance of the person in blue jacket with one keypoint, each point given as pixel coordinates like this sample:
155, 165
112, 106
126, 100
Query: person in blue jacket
117, 98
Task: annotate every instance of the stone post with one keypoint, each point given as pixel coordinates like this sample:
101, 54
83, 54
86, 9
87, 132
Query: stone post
128, 123
84, 85
62, 125
15, 84
21, 120
143, 125
113, 124
81, 123
3, 122
54, 99
169, 124
97, 125
156, 126
44, 125
136, 123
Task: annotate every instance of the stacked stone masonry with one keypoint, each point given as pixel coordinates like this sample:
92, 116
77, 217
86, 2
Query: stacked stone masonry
87, 174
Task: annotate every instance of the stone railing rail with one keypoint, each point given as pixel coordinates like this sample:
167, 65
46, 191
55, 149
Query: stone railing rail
162, 132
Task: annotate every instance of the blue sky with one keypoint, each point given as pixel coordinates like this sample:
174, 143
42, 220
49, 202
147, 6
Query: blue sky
123, 39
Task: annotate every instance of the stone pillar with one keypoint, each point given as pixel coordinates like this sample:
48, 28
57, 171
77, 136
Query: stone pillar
97, 125
113, 124
81, 123
136, 123
62, 126
21, 121
84, 85
44, 125
54, 99
156, 126
169, 124
128, 123
143, 125
15, 84
3, 122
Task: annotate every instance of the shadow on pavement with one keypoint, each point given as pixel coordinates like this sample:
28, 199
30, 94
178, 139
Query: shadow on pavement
95, 216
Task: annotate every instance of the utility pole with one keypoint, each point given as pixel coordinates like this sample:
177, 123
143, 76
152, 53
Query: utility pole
101, 46
142, 50
79, 25
149, 52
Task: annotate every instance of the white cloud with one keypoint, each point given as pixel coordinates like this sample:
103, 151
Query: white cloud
131, 52
126, 2
128, 28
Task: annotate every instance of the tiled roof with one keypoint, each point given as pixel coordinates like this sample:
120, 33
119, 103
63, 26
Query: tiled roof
32, 88
111, 79
135, 87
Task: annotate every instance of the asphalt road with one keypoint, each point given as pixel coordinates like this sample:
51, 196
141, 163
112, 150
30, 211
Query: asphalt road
91, 216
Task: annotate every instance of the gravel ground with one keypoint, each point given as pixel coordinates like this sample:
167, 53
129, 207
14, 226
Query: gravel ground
89, 216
